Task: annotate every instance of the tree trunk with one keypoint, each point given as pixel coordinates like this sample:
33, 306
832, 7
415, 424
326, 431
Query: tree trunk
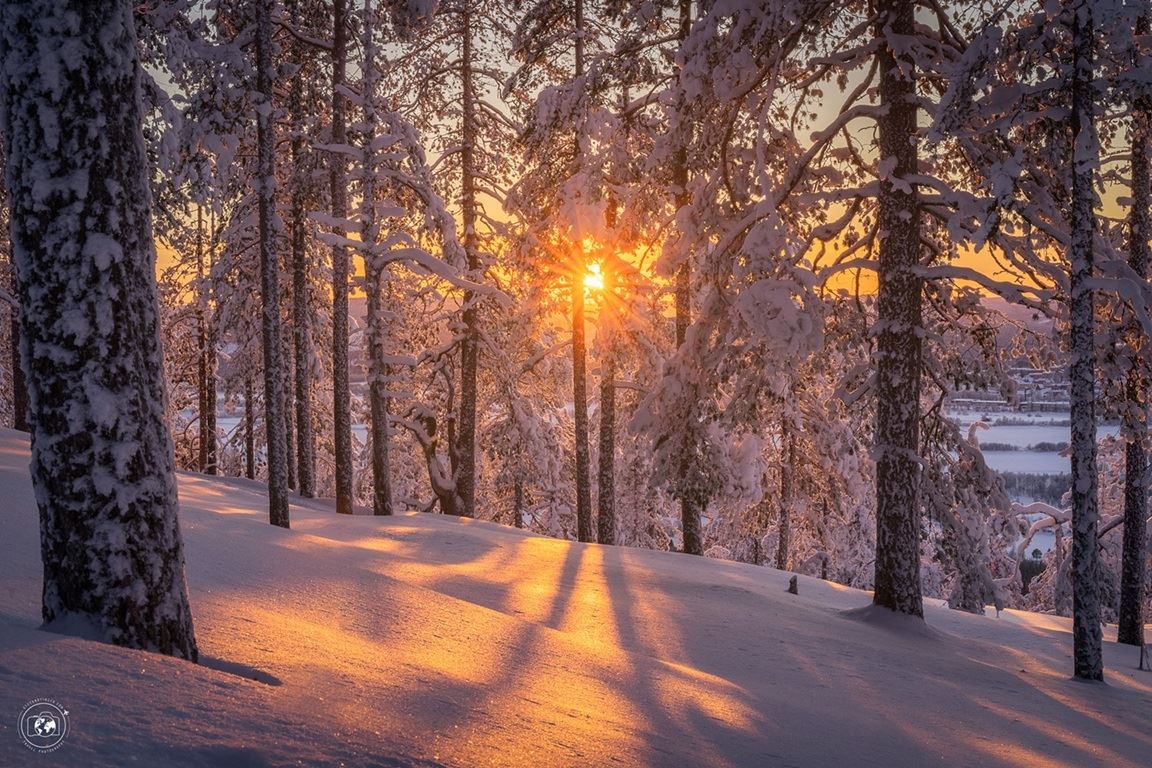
691, 503
584, 529
102, 457
375, 272
465, 470
286, 349
518, 504
1088, 661
249, 429
19, 384
341, 399
19, 389
211, 385
206, 358
606, 500
787, 473
1130, 629
898, 345
301, 317
274, 424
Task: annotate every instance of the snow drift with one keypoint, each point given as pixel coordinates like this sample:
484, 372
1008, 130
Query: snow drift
431, 641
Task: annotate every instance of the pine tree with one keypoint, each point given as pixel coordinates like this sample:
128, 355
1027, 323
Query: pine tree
1130, 628
1088, 660
206, 351
465, 471
375, 275
301, 264
898, 347
342, 399
102, 459
274, 415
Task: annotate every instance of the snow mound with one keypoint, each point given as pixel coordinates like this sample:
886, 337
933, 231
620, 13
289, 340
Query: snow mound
428, 641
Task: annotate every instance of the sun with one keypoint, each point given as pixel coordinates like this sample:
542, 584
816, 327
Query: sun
594, 278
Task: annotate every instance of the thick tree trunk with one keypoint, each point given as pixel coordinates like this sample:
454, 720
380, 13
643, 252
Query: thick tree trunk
692, 504
1088, 661
301, 317
1130, 627
375, 272
102, 460
341, 398
465, 469
898, 344
274, 423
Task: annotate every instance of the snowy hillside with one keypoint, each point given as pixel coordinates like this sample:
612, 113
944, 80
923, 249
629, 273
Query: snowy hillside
424, 641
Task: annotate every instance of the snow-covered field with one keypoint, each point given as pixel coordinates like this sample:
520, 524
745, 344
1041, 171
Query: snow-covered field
425, 641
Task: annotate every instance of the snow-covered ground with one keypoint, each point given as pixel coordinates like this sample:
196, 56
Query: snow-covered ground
425, 641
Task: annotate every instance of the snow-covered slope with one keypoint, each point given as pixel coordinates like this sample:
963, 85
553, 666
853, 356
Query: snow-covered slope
424, 641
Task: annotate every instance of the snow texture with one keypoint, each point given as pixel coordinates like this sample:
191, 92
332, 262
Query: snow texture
83, 246
422, 640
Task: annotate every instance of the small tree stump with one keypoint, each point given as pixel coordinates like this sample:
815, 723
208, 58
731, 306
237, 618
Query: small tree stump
792, 585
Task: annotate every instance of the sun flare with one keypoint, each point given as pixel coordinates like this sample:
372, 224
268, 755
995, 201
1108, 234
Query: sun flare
594, 278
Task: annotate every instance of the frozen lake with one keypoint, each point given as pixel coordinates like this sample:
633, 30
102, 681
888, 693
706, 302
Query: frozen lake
1029, 462
1031, 434
1024, 435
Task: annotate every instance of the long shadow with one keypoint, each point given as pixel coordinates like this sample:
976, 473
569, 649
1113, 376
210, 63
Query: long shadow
973, 710
239, 670
692, 729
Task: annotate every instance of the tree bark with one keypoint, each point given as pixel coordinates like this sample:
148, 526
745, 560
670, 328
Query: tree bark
787, 491
606, 498
274, 424
341, 398
301, 266
102, 456
1087, 655
692, 504
206, 357
465, 470
584, 529
518, 504
1130, 626
16, 369
249, 429
899, 328
19, 384
286, 349
376, 278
